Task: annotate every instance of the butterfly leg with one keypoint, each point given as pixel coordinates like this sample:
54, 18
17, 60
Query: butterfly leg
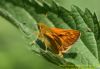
38, 36
46, 48
32, 43
60, 54
45, 45
41, 37
66, 51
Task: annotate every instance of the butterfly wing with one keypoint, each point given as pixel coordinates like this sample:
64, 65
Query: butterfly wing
58, 40
52, 42
49, 38
67, 37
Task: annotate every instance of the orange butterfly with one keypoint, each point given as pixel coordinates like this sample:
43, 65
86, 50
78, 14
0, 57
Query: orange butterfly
57, 40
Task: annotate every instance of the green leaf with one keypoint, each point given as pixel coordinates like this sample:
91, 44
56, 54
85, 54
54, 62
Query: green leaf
58, 22
88, 19
86, 33
66, 16
96, 26
98, 42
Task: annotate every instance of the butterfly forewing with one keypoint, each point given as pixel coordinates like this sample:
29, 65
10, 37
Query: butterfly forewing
67, 37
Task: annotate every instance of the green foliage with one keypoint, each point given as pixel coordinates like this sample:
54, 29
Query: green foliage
18, 28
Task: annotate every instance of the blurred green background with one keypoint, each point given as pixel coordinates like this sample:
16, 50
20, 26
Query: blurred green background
14, 51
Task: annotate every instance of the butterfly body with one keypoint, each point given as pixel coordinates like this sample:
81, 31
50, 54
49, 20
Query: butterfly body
58, 40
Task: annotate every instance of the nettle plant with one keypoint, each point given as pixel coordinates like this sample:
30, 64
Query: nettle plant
18, 29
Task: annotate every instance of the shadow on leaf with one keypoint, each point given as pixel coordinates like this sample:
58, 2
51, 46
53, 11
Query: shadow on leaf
70, 55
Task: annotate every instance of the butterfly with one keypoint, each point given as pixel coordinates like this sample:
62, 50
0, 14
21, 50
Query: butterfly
57, 40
